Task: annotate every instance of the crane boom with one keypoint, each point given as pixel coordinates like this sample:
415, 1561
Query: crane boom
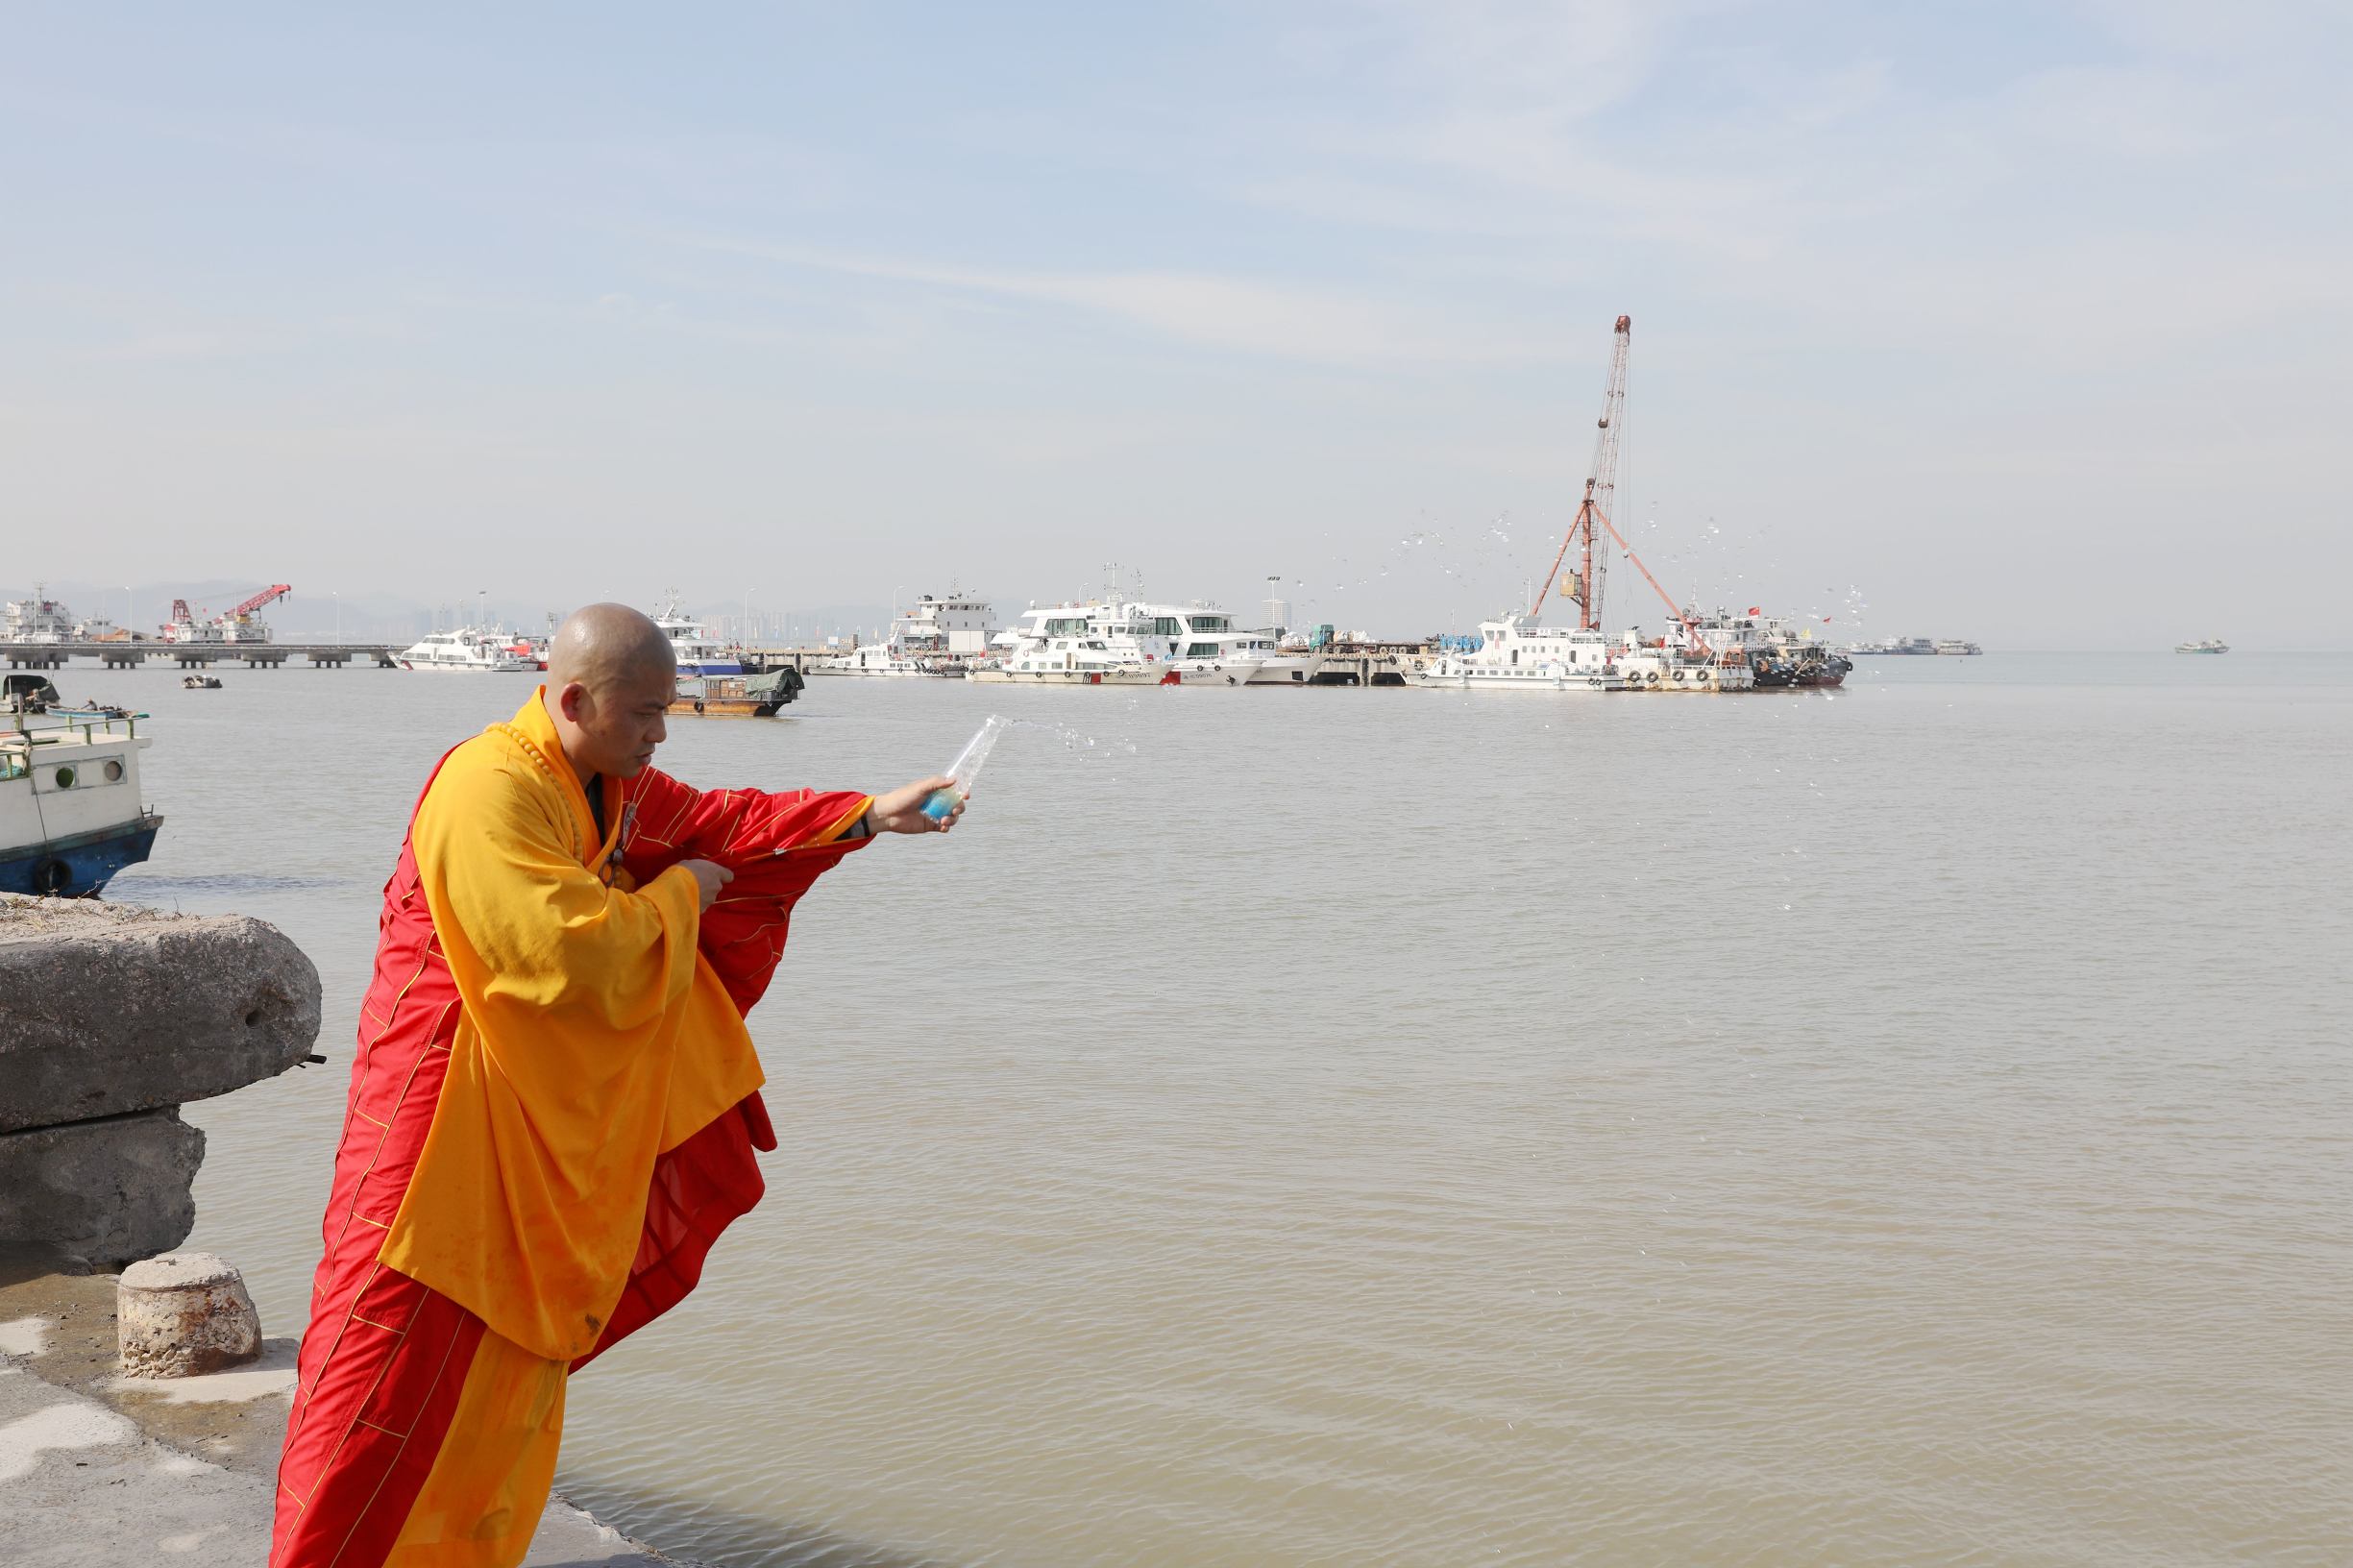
1601, 491
268, 595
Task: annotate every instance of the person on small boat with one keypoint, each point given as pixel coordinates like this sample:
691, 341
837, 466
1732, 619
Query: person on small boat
555, 1106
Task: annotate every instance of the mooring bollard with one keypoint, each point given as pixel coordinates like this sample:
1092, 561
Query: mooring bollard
183, 1314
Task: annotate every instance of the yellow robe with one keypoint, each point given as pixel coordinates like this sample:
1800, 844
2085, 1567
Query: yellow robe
594, 1036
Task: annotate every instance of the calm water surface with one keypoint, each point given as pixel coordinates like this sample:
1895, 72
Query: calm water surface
1430, 1128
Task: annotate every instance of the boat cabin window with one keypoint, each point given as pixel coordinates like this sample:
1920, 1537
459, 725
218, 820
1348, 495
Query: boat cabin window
1201, 650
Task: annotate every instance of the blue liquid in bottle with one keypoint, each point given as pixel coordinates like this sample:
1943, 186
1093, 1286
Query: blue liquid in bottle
966, 768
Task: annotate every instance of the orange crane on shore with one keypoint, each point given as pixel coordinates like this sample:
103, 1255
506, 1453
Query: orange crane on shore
1585, 588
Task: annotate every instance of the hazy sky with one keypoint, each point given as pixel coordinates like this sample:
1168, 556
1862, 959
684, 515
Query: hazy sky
2025, 322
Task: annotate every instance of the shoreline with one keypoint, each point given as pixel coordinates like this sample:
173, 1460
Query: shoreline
110, 1469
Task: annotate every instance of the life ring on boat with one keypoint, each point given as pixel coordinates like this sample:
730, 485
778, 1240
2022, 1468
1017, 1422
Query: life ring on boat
1593, 680
1650, 677
50, 877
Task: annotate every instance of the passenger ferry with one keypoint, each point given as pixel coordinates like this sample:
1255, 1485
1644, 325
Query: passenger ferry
2204, 645
697, 654
1515, 657
70, 812
484, 648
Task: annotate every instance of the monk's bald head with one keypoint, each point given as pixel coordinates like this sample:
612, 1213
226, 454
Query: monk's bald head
611, 675
603, 645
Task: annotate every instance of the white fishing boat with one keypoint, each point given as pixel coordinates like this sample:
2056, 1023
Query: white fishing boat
2204, 645
697, 653
479, 648
1515, 657
70, 811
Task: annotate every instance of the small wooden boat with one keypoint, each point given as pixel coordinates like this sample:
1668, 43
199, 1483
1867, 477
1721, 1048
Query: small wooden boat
736, 696
201, 683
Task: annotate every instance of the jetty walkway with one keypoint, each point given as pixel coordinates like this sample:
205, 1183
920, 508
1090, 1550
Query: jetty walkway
129, 656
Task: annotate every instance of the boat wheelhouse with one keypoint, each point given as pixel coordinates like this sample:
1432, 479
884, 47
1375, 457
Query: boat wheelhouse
696, 651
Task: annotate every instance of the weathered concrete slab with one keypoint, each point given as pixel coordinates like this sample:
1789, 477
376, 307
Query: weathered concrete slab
108, 1008
105, 1470
108, 1192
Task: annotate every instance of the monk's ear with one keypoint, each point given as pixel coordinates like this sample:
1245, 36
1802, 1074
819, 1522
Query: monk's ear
571, 700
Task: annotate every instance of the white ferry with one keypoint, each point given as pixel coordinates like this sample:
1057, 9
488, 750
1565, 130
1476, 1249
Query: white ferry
697, 654
70, 812
1515, 657
1074, 645
484, 648
1202, 643
2204, 645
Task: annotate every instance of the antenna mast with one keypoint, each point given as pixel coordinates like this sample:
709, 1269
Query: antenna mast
1600, 493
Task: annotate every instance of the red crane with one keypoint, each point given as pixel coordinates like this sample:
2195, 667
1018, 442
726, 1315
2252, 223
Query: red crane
1601, 492
1601, 496
268, 595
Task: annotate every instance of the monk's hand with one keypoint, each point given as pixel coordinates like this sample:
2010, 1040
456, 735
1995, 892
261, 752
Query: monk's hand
902, 810
709, 877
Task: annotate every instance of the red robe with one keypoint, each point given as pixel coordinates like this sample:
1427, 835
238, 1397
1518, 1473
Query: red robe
385, 1357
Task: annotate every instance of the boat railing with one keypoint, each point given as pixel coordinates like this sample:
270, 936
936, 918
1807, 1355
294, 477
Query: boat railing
89, 722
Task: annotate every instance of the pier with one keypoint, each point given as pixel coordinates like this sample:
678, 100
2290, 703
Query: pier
128, 656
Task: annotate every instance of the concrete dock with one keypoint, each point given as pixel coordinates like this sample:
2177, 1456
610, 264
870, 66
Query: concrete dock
197, 655
103, 1470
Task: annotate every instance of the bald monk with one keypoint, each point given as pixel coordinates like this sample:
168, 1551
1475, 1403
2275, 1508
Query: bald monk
555, 1107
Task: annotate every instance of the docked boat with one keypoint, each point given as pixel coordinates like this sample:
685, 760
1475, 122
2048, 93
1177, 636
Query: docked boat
1067, 651
872, 659
1656, 666
1776, 656
1202, 644
481, 648
39, 619
737, 696
697, 653
70, 812
1515, 657
2204, 645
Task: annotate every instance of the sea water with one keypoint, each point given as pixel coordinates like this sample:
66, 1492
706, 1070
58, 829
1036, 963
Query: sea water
1406, 1127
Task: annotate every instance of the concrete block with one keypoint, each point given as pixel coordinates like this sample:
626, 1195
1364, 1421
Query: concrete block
107, 1008
184, 1315
110, 1192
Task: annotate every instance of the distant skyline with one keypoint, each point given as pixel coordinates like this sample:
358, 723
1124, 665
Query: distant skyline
2022, 323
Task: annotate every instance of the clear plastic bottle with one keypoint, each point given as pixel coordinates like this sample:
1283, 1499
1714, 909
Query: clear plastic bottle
966, 768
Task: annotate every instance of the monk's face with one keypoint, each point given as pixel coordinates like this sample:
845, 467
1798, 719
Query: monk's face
617, 723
